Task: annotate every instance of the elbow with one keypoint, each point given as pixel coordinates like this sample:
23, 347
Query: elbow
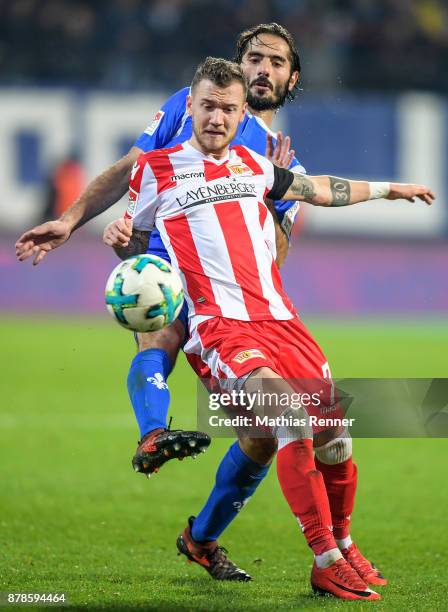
282, 250
322, 199
280, 259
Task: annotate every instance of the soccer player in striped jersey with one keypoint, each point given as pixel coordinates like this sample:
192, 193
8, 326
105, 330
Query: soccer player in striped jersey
271, 63
244, 331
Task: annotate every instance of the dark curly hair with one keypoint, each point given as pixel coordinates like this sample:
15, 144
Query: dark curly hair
245, 38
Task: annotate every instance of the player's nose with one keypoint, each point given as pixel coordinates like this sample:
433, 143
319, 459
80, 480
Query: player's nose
264, 67
217, 117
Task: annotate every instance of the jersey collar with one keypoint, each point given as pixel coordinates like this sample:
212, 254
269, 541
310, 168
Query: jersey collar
196, 153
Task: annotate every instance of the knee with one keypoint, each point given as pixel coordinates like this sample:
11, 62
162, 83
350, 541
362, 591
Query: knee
148, 340
168, 339
261, 450
335, 451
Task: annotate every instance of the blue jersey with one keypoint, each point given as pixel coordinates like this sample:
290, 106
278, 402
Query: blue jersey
173, 125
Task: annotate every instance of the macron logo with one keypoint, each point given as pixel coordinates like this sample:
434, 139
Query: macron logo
187, 175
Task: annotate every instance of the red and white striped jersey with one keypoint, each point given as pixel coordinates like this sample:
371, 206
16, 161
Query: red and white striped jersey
216, 228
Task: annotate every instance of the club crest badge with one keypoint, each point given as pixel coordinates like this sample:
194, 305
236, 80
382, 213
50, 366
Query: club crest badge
249, 354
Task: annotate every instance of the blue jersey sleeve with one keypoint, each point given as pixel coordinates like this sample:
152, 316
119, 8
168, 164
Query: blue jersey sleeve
252, 133
166, 123
287, 209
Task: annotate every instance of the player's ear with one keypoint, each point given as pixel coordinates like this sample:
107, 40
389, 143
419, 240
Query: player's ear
243, 111
189, 101
293, 80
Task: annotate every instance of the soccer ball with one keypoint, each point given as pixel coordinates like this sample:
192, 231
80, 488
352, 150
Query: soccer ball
144, 293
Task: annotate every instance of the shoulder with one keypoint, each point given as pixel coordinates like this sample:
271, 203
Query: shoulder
182, 93
263, 126
158, 154
256, 162
258, 126
177, 101
254, 133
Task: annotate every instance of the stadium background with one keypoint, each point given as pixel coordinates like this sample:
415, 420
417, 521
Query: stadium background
87, 77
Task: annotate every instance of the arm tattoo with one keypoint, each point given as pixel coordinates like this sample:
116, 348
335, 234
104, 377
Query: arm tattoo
303, 187
138, 244
340, 191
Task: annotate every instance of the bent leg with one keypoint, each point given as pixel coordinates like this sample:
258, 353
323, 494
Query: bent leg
150, 398
301, 482
149, 370
237, 479
334, 461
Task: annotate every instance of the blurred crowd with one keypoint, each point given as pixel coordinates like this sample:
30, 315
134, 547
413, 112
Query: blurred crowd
362, 44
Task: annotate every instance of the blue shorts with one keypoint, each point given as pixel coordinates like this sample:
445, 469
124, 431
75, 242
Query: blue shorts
156, 247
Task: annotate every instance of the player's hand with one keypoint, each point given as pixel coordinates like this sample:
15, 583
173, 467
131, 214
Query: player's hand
118, 233
41, 240
410, 192
281, 155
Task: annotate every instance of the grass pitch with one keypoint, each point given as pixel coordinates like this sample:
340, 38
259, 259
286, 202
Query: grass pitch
74, 518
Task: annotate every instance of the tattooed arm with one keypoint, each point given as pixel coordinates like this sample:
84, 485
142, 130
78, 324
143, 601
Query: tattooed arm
334, 191
138, 244
125, 240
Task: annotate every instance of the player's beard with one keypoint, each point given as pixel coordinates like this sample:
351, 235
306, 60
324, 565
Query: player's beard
273, 102
207, 145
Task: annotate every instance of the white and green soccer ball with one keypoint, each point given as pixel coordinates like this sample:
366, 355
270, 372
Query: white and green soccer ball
144, 293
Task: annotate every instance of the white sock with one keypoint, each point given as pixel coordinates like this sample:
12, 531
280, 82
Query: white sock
328, 557
344, 543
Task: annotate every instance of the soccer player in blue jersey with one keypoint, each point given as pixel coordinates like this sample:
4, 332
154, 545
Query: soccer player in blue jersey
269, 59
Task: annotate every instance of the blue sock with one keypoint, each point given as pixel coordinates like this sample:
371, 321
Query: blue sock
236, 480
148, 391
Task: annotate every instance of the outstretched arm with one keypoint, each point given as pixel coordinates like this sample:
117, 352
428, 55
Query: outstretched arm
101, 193
334, 191
105, 189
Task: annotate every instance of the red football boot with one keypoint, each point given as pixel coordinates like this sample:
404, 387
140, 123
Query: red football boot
341, 580
367, 571
209, 555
